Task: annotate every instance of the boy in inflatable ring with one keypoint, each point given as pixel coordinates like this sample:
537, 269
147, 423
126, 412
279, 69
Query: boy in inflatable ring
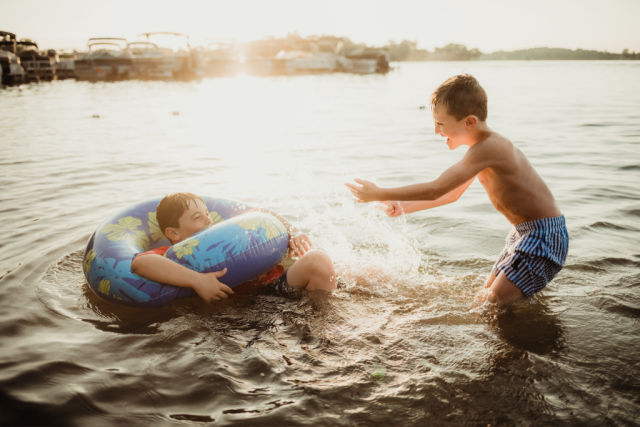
538, 243
181, 215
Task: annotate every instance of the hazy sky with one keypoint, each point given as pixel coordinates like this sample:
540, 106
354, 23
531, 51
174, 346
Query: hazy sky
488, 25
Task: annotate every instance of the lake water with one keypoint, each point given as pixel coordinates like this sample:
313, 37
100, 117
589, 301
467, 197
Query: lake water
400, 342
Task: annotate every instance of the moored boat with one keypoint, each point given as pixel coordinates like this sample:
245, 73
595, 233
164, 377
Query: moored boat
297, 61
366, 61
65, 67
106, 59
177, 52
38, 65
151, 61
12, 71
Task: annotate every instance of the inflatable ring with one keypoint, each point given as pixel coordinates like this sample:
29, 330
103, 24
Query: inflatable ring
245, 241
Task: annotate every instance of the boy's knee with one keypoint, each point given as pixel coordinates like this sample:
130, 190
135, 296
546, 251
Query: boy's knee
504, 292
320, 267
315, 257
321, 261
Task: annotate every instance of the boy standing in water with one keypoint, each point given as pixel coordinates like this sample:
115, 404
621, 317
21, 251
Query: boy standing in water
536, 247
181, 215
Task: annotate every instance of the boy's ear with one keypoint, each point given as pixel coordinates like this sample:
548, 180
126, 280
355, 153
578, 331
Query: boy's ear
171, 233
470, 120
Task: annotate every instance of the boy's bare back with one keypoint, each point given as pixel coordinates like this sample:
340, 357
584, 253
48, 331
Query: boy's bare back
512, 184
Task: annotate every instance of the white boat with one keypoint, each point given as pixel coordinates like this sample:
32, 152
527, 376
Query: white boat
65, 67
106, 59
297, 61
151, 61
365, 61
176, 45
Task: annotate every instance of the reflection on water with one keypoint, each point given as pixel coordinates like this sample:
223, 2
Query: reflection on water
531, 328
400, 341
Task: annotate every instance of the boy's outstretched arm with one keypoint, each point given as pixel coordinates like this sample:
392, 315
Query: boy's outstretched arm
396, 208
160, 269
451, 179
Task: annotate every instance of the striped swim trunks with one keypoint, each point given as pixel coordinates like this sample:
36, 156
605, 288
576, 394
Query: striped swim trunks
534, 253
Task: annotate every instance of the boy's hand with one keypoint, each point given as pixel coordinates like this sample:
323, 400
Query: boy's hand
392, 208
299, 244
209, 288
367, 191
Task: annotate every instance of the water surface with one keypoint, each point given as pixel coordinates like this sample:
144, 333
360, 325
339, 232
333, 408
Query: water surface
400, 341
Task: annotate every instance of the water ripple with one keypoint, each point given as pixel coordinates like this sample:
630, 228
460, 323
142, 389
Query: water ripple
400, 341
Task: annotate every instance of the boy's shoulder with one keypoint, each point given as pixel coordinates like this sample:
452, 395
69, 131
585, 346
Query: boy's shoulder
492, 143
491, 151
496, 138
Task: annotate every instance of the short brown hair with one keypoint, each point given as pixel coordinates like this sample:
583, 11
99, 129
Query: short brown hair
462, 95
171, 208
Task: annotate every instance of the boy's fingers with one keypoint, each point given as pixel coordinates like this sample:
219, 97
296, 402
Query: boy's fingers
302, 245
220, 273
356, 195
227, 290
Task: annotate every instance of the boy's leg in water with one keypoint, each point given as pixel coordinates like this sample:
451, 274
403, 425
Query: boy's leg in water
313, 271
501, 290
490, 280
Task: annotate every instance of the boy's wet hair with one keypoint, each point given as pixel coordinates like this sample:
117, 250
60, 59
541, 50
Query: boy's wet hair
462, 95
171, 208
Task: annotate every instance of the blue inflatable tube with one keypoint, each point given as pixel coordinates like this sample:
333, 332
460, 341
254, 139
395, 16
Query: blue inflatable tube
246, 242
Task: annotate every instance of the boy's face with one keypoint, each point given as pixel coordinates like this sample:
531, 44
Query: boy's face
195, 218
446, 125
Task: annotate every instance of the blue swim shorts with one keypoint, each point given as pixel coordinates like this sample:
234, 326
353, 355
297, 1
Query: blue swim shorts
534, 253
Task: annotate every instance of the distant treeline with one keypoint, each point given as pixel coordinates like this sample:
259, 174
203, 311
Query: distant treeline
408, 51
